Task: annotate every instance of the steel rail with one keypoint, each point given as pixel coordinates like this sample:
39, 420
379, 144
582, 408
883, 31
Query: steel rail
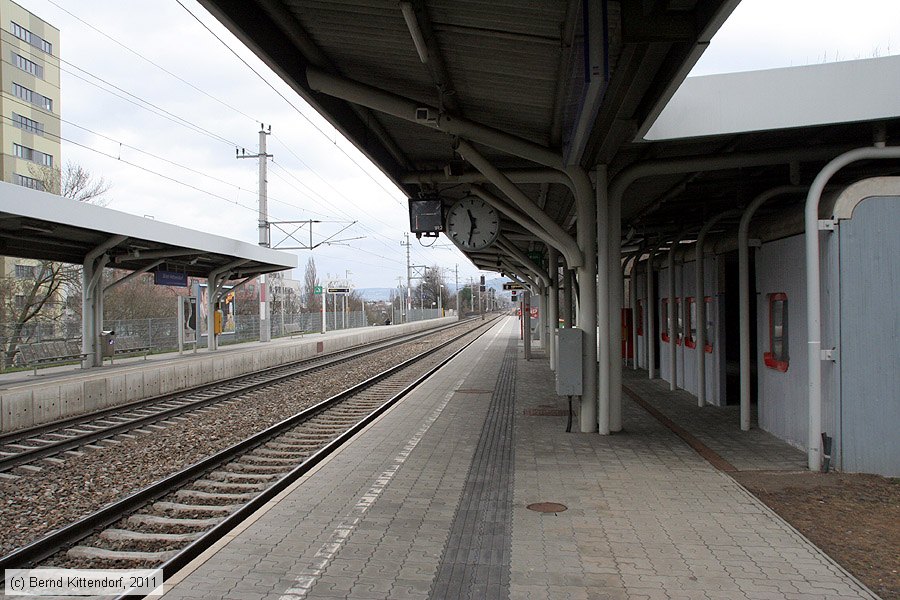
284, 372
50, 544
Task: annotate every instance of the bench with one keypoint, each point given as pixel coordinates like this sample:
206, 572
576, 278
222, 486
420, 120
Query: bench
40, 354
129, 345
293, 329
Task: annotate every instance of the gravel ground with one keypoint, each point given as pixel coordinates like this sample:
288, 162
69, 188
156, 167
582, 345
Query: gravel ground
854, 518
39, 502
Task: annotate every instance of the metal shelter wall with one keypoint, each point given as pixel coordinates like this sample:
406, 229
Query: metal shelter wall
869, 334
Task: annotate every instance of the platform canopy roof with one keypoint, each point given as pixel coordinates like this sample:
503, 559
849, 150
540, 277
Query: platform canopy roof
43, 226
404, 81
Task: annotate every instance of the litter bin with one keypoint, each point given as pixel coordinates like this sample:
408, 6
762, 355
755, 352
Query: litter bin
108, 343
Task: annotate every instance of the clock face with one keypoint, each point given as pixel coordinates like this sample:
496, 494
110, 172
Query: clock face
473, 224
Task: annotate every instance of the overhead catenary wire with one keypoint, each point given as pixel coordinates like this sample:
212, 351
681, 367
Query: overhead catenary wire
161, 68
178, 120
163, 113
287, 100
136, 101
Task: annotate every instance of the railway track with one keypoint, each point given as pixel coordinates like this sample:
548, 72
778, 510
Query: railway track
171, 521
35, 444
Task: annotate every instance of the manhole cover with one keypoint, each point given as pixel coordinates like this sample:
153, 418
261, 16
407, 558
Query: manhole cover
547, 507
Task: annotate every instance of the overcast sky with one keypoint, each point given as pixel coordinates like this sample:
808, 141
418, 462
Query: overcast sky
209, 102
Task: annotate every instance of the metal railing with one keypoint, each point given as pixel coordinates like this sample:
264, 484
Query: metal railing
161, 334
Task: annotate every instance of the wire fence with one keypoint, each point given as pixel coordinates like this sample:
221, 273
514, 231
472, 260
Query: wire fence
161, 335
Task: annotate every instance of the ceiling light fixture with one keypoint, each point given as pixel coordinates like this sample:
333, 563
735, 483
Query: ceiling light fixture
409, 15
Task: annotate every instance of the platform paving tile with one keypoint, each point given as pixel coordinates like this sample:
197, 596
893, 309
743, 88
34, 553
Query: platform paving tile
373, 521
647, 517
649, 514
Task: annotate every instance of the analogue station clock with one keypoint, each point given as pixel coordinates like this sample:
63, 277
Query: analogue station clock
473, 224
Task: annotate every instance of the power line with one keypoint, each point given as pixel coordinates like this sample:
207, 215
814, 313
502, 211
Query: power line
157, 110
161, 68
283, 97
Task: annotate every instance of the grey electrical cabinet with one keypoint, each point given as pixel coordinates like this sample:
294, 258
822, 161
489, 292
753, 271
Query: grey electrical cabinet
569, 361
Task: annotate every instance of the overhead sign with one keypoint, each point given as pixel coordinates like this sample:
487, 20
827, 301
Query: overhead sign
512, 285
536, 256
170, 278
338, 290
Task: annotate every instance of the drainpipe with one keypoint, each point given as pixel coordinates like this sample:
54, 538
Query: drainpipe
616, 273
603, 271
429, 116
416, 112
514, 175
561, 239
515, 215
672, 319
651, 317
553, 304
511, 248
587, 292
744, 291
632, 303
700, 303
813, 281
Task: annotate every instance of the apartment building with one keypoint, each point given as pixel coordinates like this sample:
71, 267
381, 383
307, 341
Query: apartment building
29, 129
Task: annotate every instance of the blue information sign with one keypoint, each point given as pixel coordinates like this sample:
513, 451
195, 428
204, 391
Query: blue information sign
170, 278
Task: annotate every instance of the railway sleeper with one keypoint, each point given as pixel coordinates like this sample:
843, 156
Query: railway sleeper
241, 467
266, 460
235, 476
160, 521
230, 486
288, 445
278, 453
193, 508
91, 553
223, 497
126, 535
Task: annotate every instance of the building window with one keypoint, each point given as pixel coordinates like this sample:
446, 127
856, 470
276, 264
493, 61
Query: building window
33, 39
777, 357
37, 156
25, 271
19, 301
664, 320
690, 322
20, 91
29, 182
28, 66
27, 124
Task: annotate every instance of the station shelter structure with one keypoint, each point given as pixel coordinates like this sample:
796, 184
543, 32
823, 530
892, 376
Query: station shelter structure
576, 124
43, 226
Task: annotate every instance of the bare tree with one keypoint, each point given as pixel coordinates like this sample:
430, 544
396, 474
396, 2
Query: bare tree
73, 182
432, 286
139, 298
34, 295
310, 282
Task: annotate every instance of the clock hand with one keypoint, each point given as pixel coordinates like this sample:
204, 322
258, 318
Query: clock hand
471, 226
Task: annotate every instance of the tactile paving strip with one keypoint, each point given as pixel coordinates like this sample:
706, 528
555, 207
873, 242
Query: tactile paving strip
475, 562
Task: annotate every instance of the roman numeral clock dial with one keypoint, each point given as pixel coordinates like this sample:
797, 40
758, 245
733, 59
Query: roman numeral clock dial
473, 224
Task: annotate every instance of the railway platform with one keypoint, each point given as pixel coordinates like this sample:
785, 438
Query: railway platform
436, 499
59, 392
